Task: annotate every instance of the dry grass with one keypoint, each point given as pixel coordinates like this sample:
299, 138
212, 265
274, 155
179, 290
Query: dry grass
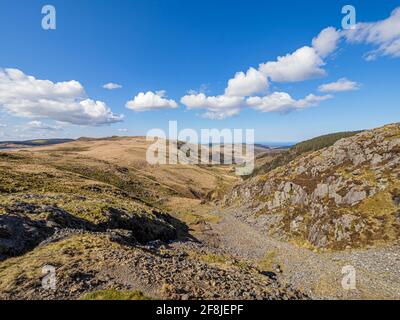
25, 271
188, 181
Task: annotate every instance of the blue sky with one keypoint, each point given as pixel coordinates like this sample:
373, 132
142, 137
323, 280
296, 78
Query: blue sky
187, 48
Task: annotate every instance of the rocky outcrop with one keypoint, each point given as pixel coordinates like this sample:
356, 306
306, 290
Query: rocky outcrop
24, 226
339, 197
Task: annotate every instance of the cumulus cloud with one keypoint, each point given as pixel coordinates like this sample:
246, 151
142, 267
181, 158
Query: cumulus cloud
151, 101
283, 102
112, 86
25, 96
201, 101
385, 34
219, 107
341, 85
303, 64
300, 65
277, 101
326, 42
246, 84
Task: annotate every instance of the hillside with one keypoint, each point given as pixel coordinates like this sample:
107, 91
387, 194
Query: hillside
121, 161
114, 226
343, 196
265, 163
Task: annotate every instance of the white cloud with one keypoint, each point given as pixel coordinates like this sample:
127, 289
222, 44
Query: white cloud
246, 84
341, 85
311, 101
25, 96
40, 126
221, 114
385, 34
112, 86
304, 63
122, 130
218, 107
277, 101
283, 102
201, 101
2, 125
326, 42
300, 65
151, 101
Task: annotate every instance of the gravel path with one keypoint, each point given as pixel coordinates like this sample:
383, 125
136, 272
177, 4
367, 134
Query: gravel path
317, 274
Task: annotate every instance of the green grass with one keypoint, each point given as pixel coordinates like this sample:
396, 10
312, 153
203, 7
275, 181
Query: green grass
115, 295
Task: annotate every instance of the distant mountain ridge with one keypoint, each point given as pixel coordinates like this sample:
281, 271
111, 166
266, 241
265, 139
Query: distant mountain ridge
32, 143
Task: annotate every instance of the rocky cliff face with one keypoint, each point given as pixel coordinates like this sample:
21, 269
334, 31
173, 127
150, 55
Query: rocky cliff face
344, 196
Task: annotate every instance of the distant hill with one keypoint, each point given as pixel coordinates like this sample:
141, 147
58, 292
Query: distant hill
32, 143
301, 148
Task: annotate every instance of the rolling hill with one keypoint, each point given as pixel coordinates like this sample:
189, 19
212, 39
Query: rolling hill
114, 226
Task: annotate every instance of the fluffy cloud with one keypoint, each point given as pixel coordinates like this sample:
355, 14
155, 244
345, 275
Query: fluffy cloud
246, 84
277, 101
26, 96
150, 101
201, 101
385, 34
326, 42
283, 102
341, 85
304, 63
219, 107
300, 65
112, 86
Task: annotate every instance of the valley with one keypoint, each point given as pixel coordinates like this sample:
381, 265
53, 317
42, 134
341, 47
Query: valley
115, 227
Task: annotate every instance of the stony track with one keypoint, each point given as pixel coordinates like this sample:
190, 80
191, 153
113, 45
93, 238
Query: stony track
318, 274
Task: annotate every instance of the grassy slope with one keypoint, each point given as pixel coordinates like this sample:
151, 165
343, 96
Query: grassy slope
87, 178
122, 162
